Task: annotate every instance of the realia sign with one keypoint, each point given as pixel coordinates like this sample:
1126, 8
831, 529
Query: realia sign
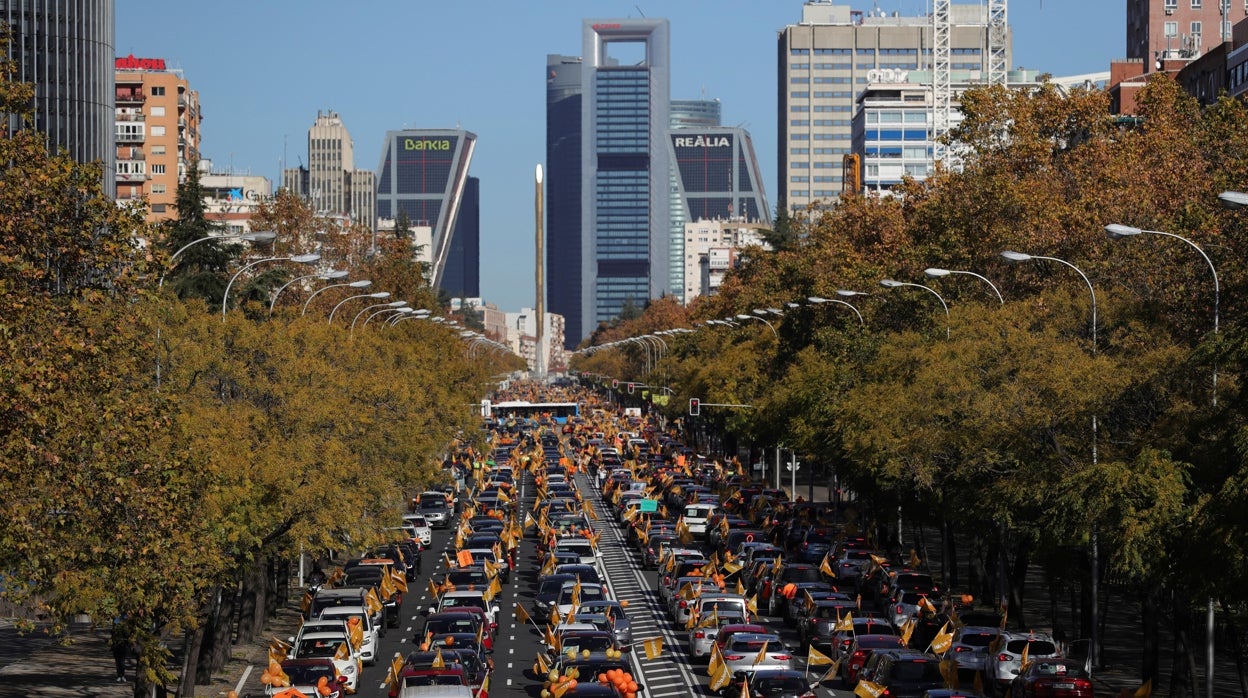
702, 142
132, 63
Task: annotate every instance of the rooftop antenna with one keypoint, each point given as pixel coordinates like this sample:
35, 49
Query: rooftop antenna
643, 14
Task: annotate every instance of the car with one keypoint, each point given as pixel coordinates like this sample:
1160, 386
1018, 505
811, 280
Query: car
342, 596
454, 622
860, 650
578, 641
307, 675
588, 574
372, 634
371, 577
1003, 661
1052, 678
475, 670
623, 627
651, 550
814, 545
907, 604
970, 646
849, 565
951, 693
459, 599
480, 555
696, 516
741, 653
327, 644
774, 683
684, 595
569, 593
817, 628
434, 507
547, 593
450, 681
907, 673
584, 550
702, 638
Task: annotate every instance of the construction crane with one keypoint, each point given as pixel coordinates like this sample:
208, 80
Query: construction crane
995, 72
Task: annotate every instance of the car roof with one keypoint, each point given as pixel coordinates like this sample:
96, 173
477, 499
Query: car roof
756, 637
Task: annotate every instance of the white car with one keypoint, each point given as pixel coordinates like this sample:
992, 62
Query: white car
368, 649
424, 534
743, 649
583, 548
970, 646
696, 516
325, 643
1002, 663
589, 592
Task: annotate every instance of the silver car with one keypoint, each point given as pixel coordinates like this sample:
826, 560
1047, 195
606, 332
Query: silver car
970, 646
702, 639
621, 626
743, 650
1002, 664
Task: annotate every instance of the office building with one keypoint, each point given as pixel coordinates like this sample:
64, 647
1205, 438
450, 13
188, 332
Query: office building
157, 127
624, 177
64, 48
232, 198
718, 178
330, 180
423, 176
521, 337
711, 249
893, 121
1162, 29
462, 278
685, 113
824, 64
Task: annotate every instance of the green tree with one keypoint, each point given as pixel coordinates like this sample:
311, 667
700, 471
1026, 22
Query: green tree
200, 270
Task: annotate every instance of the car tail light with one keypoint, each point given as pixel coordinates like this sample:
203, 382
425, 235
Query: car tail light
960, 648
699, 635
783, 657
1003, 657
899, 609
684, 604
733, 657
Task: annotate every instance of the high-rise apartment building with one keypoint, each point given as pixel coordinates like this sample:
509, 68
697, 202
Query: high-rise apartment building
1161, 29
64, 48
824, 64
157, 127
424, 176
624, 183
718, 178
330, 180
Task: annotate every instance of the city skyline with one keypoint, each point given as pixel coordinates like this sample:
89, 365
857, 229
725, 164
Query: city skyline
407, 67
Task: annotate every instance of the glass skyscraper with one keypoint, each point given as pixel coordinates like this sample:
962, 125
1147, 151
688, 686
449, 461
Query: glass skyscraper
64, 48
424, 174
624, 182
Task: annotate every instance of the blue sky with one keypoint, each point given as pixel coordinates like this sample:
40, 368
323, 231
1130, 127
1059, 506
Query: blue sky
263, 69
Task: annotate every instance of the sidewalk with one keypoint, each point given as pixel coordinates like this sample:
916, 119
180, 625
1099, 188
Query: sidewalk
34, 665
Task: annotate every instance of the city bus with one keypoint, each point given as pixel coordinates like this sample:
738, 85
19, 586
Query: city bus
523, 409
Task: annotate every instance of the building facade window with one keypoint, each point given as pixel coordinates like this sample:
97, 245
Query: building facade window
158, 169
1196, 4
1171, 29
1196, 32
158, 91
159, 189
158, 130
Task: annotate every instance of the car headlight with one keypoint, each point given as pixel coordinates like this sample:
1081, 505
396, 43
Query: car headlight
349, 670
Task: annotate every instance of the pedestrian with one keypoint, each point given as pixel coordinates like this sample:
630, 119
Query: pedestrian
419, 548
120, 644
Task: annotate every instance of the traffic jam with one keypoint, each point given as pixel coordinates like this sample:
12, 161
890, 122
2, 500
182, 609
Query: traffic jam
597, 556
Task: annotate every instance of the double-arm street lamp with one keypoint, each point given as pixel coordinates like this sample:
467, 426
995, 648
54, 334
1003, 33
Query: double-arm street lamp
298, 259
392, 305
378, 294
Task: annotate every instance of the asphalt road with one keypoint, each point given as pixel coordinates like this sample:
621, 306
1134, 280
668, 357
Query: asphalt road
516, 644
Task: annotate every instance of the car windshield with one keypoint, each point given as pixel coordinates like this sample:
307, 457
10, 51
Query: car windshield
1037, 647
552, 585
696, 512
319, 647
587, 593
977, 639
417, 521
461, 601
916, 670
829, 612
308, 674
439, 626
593, 643
801, 574
433, 680
779, 686
579, 549
467, 577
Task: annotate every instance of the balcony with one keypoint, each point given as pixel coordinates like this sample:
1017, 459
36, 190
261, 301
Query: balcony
133, 154
130, 117
130, 97
130, 137
131, 177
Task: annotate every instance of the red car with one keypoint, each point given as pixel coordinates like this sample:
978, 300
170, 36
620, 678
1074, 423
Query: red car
1052, 678
862, 648
727, 631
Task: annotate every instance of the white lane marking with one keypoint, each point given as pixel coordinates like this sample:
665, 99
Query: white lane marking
508, 682
239, 686
508, 665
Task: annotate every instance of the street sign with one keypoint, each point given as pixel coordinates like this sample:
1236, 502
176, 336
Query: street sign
649, 505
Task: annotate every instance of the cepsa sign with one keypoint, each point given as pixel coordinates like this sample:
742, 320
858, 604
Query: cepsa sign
598, 27
132, 63
426, 144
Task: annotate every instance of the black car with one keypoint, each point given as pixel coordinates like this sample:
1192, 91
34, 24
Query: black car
906, 673
548, 593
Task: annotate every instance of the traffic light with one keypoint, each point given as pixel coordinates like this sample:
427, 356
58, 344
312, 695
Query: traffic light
615, 384
695, 406
630, 388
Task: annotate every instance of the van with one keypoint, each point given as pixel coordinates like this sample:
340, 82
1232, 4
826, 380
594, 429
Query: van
710, 604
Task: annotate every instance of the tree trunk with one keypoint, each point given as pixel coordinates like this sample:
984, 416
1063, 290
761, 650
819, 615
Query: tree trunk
1237, 649
190, 658
1183, 683
207, 638
950, 554
1150, 663
1018, 581
252, 602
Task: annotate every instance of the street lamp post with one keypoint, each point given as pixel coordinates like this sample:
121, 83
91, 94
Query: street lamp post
298, 259
391, 305
326, 276
937, 272
1093, 561
744, 316
378, 294
889, 283
362, 283
819, 300
1116, 231
262, 237
421, 314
